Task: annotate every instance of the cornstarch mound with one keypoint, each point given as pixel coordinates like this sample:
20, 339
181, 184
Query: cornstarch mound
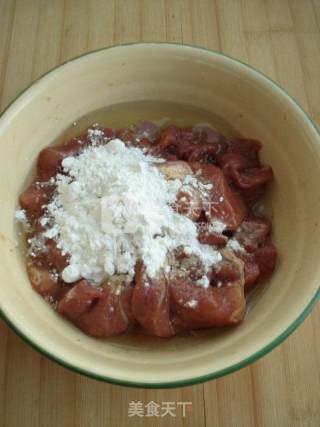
114, 207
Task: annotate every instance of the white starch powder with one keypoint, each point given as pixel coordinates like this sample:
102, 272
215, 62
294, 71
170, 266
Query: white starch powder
113, 208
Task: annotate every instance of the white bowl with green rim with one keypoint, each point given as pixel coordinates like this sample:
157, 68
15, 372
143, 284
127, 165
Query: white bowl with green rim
256, 107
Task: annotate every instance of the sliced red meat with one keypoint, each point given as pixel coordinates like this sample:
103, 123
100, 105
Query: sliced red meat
142, 135
208, 145
223, 204
99, 312
50, 159
250, 180
186, 264
35, 198
189, 134
237, 167
147, 146
145, 130
266, 258
248, 148
252, 195
54, 256
109, 316
204, 153
126, 135
150, 304
174, 169
182, 151
192, 144
253, 232
208, 237
230, 270
168, 137
224, 273
232, 162
208, 135
178, 141
126, 304
47, 254
163, 308
169, 156
196, 307
49, 163
43, 281
109, 133
78, 300
251, 271
189, 204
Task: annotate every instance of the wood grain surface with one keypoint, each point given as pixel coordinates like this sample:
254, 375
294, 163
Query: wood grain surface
280, 38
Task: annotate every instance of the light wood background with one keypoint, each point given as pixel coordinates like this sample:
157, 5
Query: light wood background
279, 37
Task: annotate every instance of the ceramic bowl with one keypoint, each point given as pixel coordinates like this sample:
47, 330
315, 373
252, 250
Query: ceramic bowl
256, 107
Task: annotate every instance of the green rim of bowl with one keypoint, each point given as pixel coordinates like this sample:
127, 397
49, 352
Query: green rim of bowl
213, 375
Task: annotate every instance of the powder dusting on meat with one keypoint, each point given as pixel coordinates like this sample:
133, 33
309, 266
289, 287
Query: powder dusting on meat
113, 207
234, 245
217, 226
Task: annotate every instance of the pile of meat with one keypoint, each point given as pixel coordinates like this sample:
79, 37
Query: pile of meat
172, 302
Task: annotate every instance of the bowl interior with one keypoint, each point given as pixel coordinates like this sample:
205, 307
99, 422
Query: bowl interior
256, 108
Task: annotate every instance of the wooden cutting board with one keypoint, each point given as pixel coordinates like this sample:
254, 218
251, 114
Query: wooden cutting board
279, 37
